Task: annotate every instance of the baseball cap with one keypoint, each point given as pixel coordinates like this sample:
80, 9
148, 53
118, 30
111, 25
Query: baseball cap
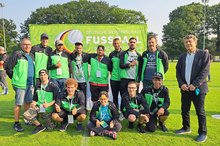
43, 71
158, 75
79, 43
58, 42
44, 35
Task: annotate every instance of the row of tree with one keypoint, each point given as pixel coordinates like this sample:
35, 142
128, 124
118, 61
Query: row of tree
183, 20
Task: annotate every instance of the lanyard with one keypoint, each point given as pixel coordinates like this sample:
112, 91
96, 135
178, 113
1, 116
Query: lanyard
70, 100
42, 91
99, 60
155, 96
103, 114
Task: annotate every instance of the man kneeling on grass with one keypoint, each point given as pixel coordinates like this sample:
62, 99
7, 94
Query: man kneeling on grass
70, 106
134, 106
43, 103
158, 99
104, 118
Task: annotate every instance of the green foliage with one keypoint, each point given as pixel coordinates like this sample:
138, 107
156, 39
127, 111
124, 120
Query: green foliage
10, 35
183, 21
82, 12
126, 137
213, 23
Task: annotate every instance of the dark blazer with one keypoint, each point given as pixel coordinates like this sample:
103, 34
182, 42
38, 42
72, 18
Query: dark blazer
200, 70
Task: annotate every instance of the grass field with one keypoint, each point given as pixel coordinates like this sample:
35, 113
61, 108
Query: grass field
126, 137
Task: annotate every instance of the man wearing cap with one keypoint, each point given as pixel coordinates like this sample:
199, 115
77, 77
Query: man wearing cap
153, 60
157, 97
134, 106
41, 53
59, 65
191, 72
115, 79
20, 69
104, 118
79, 67
70, 106
100, 67
3, 82
129, 64
43, 103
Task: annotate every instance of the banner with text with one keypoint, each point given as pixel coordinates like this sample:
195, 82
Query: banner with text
91, 35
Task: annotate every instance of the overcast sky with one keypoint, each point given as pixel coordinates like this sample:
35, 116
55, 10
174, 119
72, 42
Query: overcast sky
156, 12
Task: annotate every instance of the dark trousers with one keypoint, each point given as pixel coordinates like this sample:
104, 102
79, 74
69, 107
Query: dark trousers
95, 90
3, 82
152, 124
124, 85
198, 101
117, 127
115, 87
82, 87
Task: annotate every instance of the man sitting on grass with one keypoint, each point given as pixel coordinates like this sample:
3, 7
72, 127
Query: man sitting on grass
70, 106
158, 100
104, 118
134, 106
43, 103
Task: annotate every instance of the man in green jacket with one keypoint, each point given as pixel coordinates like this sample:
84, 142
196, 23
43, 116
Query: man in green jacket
100, 67
115, 79
41, 54
153, 60
43, 103
20, 69
130, 65
59, 65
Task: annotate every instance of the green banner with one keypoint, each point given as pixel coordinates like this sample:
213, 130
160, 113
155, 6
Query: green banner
91, 35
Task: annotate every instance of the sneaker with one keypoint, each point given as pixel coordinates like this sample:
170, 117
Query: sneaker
64, 126
38, 129
92, 133
79, 127
5, 91
141, 128
131, 125
18, 128
28, 123
111, 134
183, 131
201, 138
163, 128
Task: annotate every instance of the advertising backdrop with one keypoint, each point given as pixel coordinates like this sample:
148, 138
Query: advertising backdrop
91, 35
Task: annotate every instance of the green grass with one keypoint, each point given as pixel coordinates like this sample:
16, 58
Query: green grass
126, 137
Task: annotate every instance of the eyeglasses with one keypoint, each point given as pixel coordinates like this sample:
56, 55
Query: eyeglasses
132, 87
26, 44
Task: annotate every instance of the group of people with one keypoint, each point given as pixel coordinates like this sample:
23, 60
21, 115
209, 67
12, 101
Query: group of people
52, 85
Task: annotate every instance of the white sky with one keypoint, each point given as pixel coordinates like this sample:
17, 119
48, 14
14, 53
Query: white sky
156, 12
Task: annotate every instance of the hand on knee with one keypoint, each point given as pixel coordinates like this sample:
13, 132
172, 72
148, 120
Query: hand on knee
131, 118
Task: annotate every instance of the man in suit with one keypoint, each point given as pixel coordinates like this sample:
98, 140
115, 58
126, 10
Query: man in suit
191, 71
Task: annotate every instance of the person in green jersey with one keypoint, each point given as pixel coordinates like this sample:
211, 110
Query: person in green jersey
43, 103
70, 106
